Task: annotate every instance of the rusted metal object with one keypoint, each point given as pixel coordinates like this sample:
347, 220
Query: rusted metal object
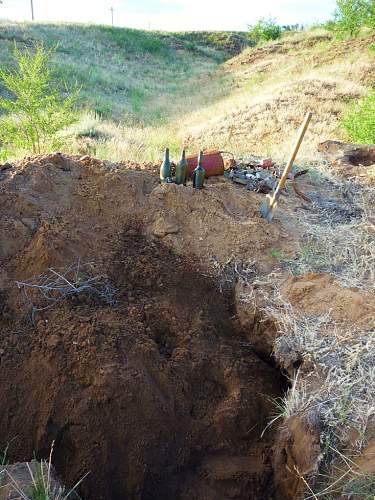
296, 188
213, 163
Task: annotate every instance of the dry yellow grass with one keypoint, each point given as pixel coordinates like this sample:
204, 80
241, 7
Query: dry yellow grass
277, 84
263, 96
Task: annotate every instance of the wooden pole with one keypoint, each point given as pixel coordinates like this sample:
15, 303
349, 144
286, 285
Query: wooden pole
112, 15
32, 10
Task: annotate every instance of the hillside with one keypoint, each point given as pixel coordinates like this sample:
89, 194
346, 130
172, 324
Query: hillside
278, 83
124, 74
141, 90
160, 341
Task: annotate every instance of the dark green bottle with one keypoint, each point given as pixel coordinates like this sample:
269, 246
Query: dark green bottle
199, 173
165, 169
182, 170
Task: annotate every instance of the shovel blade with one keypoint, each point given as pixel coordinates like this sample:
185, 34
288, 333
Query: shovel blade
267, 210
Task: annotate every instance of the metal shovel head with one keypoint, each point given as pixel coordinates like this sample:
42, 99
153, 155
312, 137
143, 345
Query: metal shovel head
267, 208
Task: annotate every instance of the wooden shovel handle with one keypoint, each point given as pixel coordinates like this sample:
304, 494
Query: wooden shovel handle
288, 168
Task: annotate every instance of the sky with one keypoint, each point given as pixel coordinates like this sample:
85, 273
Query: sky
171, 15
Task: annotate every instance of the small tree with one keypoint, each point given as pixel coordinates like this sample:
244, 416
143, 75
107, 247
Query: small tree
351, 16
265, 30
35, 110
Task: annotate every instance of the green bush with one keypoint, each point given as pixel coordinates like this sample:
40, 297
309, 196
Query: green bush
34, 111
351, 16
359, 122
265, 30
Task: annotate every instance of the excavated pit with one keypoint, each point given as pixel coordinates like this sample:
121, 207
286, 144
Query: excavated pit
158, 395
362, 157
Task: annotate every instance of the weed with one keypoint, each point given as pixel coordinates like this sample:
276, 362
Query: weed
362, 486
295, 401
4, 455
42, 485
135, 40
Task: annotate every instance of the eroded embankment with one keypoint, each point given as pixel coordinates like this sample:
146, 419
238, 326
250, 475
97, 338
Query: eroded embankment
157, 395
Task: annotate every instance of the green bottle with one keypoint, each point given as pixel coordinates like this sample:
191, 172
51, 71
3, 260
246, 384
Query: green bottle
182, 170
165, 169
199, 173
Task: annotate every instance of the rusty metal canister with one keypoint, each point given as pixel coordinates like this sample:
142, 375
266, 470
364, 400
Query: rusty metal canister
213, 163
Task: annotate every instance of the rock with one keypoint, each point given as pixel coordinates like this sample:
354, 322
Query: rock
30, 223
165, 225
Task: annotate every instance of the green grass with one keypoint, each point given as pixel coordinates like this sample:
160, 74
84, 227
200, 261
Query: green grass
125, 74
359, 121
142, 91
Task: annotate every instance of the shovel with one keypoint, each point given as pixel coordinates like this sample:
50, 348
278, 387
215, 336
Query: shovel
268, 207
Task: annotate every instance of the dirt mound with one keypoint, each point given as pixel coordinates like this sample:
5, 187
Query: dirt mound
158, 395
297, 45
313, 292
349, 160
253, 55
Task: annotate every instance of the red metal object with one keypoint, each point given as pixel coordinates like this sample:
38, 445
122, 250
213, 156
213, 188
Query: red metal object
266, 163
213, 163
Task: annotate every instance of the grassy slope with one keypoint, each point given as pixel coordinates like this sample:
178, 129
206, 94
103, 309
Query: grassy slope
277, 84
142, 91
125, 73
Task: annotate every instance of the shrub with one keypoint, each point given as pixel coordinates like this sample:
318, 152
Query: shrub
34, 111
359, 122
265, 30
351, 16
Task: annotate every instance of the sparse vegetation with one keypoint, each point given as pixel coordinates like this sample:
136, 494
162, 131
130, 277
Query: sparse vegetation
181, 95
359, 121
344, 401
265, 30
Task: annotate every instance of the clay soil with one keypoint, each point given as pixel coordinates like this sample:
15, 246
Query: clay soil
160, 394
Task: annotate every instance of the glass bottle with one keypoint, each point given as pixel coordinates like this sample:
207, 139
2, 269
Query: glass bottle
199, 173
165, 169
182, 170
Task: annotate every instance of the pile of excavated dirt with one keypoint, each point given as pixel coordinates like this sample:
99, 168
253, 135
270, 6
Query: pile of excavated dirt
159, 394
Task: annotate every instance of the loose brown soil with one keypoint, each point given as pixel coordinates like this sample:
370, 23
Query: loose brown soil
165, 392
161, 394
